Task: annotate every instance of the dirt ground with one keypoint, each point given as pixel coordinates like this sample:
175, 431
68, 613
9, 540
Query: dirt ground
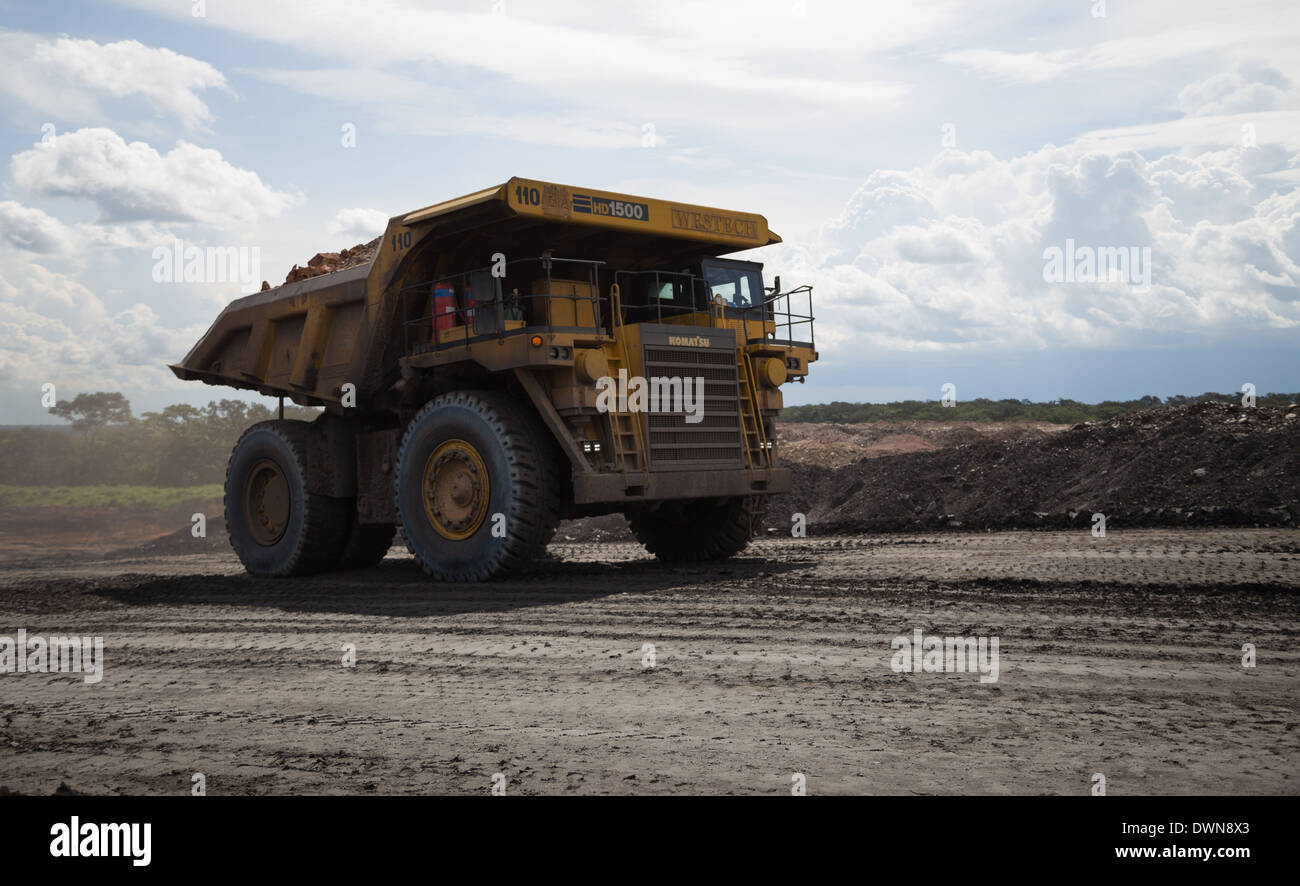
1119, 655
65, 532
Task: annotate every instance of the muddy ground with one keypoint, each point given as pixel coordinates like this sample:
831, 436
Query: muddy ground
64, 532
1119, 655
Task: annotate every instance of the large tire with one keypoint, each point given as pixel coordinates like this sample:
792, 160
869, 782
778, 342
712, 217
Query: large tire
466, 457
692, 531
367, 545
276, 526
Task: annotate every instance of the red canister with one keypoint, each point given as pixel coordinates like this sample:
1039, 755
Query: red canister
444, 307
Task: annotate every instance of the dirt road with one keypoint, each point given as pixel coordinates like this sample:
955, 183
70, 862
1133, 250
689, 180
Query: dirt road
1120, 656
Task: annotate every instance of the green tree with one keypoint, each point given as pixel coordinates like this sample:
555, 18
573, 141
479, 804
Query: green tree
90, 413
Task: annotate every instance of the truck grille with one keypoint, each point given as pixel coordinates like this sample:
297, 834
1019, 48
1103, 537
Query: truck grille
714, 442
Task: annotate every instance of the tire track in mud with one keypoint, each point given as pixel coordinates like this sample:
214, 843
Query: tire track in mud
1123, 659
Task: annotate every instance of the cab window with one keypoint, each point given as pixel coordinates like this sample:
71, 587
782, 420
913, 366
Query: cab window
740, 285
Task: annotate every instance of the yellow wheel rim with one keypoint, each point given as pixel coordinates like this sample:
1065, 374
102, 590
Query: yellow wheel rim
266, 502
456, 490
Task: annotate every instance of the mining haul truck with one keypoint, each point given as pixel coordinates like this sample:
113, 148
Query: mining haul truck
524, 354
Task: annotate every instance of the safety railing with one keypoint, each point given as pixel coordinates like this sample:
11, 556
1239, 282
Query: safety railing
786, 320
703, 309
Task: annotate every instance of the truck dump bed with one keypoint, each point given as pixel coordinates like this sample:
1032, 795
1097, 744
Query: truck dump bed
307, 340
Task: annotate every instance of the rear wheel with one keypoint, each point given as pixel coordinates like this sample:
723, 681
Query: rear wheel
479, 488
276, 526
691, 531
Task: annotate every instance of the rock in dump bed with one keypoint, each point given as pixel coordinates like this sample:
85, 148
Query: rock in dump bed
329, 262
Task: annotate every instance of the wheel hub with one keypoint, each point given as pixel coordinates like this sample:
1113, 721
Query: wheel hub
456, 490
266, 502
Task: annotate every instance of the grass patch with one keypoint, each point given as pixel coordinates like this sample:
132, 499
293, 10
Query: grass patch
106, 496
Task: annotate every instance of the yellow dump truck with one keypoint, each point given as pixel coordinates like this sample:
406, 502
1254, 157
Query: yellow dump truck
520, 355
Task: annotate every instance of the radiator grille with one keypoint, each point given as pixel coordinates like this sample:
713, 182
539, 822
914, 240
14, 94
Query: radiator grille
716, 440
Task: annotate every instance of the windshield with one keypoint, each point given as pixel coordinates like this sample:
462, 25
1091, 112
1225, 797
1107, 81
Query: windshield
739, 286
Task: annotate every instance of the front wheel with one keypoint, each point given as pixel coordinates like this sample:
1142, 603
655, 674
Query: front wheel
478, 487
691, 531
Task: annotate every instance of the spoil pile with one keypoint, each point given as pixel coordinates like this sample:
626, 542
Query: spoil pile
1203, 464
833, 445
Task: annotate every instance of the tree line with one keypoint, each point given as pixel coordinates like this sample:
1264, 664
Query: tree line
104, 443
982, 409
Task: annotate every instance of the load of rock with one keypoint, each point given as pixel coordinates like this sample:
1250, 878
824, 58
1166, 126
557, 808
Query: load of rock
329, 262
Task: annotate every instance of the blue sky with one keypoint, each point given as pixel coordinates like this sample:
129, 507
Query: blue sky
918, 159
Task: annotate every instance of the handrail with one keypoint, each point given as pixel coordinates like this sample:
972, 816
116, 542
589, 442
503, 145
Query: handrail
791, 319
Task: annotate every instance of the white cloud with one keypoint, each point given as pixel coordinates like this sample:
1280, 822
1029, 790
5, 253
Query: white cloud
404, 103
133, 182
611, 57
1199, 133
949, 256
34, 230
55, 329
1233, 92
1019, 67
67, 78
737, 62
1144, 36
361, 224
31, 229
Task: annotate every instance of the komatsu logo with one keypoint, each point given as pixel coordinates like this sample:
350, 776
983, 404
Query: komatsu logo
688, 341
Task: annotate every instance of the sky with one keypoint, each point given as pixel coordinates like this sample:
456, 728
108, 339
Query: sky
932, 166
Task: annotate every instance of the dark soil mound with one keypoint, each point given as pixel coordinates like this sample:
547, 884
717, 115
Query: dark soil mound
1203, 464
